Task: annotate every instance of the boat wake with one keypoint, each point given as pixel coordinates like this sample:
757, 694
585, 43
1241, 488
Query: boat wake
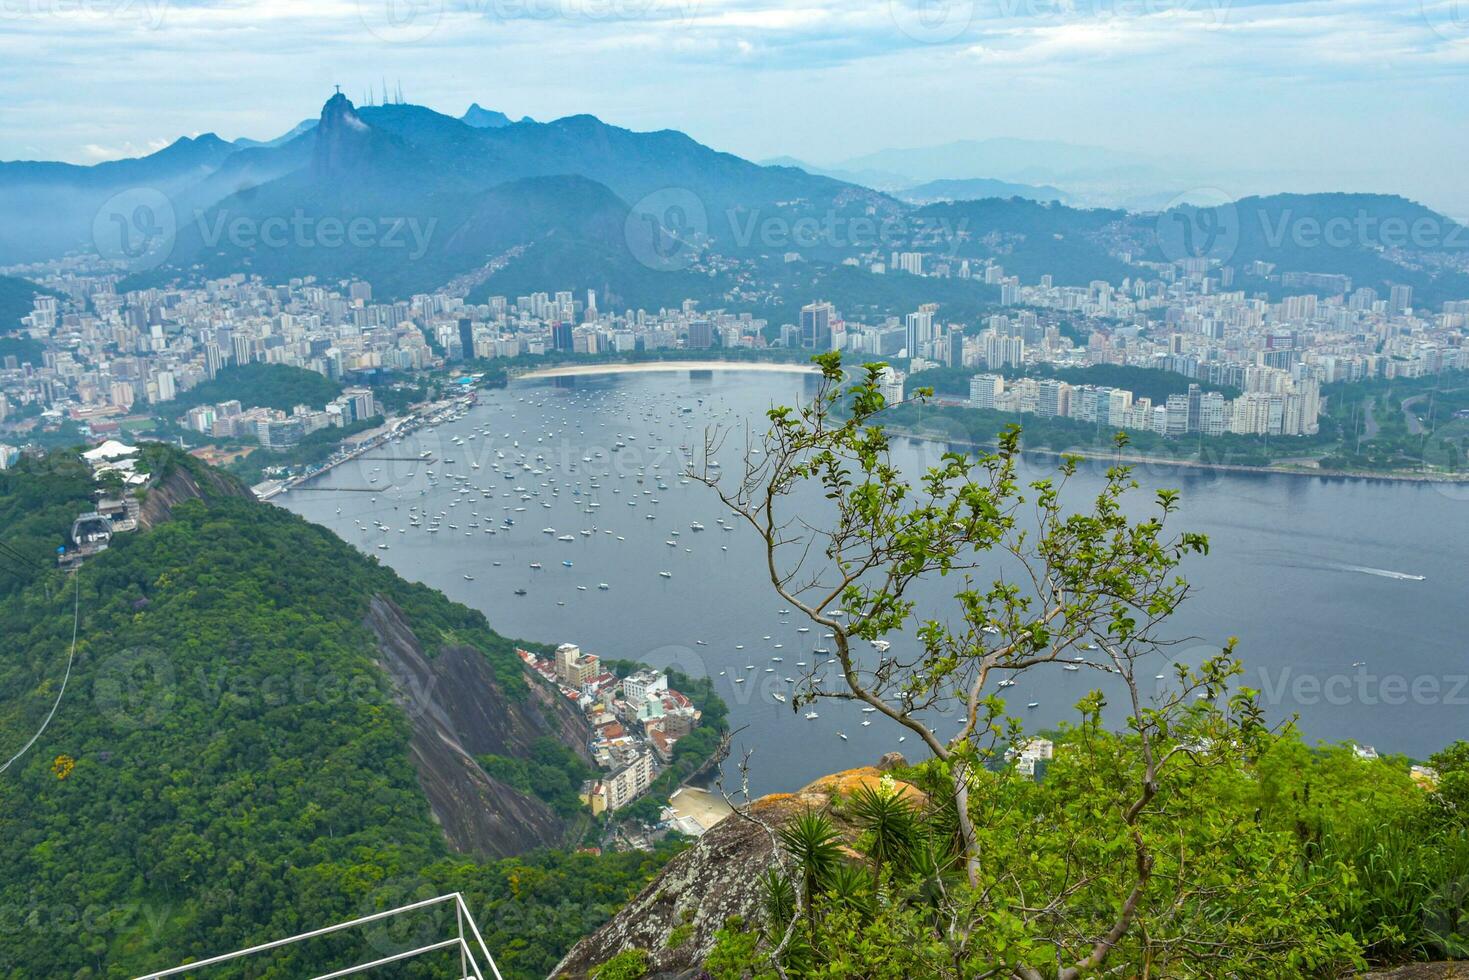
1333, 566
1382, 573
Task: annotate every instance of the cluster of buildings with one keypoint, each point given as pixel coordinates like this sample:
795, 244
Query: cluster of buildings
275, 429
636, 721
1186, 321
109, 354
1276, 404
1030, 753
543, 323
92, 531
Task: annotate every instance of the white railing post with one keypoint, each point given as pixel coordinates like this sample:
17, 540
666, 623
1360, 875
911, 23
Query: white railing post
463, 949
468, 959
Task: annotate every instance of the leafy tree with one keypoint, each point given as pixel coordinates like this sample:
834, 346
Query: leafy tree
255, 385
1036, 586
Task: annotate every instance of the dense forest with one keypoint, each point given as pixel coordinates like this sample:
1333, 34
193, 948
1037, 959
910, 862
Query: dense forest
39, 498
17, 298
227, 764
1402, 423
1311, 862
277, 386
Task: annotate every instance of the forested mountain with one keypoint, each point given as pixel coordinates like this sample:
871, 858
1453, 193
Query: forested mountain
1379, 240
263, 731
407, 199
17, 297
976, 188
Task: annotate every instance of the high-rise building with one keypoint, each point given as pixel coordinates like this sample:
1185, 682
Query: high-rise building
1177, 407
575, 667
701, 333
816, 325
984, 389
920, 330
1400, 299
890, 385
624, 785
1053, 398
466, 338
1002, 352
1213, 414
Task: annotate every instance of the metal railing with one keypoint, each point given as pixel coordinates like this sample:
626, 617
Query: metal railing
471, 945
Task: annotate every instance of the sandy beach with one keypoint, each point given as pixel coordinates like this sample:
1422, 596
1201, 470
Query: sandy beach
705, 807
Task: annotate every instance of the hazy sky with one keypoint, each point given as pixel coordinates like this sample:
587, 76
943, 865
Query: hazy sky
1298, 94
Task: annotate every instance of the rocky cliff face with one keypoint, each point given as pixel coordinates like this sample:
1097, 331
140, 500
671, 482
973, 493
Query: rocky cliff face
182, 483
717, 878
459, 712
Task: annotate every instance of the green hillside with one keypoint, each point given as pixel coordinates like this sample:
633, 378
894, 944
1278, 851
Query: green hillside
17, 297
278, 386
227, 764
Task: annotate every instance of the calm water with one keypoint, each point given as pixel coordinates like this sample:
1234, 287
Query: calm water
1319, 579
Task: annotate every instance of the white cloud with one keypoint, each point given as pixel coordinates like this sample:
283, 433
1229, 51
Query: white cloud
1299, 80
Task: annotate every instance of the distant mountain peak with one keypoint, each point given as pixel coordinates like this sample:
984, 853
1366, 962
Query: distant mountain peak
340, 135
339, 109
205, 151
481, 118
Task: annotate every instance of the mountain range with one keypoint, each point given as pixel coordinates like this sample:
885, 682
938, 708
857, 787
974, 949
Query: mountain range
408, 198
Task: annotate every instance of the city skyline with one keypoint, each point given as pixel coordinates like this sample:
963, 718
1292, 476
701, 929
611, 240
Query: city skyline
1196, 88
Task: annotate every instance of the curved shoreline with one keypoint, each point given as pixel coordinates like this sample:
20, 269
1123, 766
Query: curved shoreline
1134, 459
576, 370
579, 370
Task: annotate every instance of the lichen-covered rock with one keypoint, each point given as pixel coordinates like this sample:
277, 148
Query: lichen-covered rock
717, 878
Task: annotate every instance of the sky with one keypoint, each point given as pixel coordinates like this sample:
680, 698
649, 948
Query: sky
1242, 95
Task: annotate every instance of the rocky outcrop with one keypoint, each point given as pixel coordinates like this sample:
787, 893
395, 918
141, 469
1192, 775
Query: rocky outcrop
717, 878
458, 712
180, 482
